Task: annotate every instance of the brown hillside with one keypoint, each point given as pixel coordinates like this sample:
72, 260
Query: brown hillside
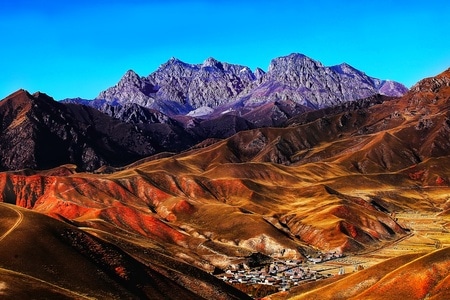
58, 259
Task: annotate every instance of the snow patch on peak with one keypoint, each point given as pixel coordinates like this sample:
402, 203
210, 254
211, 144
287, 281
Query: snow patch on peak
201, 111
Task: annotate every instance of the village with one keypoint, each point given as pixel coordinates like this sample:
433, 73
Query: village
283, 274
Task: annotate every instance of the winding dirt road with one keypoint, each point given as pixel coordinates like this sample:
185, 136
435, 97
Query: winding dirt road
16, 224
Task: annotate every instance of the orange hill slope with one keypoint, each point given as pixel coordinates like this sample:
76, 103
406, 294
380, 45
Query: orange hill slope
59, 260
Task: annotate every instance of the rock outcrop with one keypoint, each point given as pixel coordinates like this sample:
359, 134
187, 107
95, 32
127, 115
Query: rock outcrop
305, 81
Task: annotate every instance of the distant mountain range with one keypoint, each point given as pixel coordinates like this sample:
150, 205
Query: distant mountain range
173, 109
214, 87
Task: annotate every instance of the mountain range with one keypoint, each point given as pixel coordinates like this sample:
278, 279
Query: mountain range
174, 109
236, 186
213, 88
216, 87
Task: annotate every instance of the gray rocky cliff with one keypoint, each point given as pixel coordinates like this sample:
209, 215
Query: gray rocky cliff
307, 82
130, 89
178, 88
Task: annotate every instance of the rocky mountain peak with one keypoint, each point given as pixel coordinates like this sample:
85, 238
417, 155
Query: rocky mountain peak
130, 75
345, 68
177, 87
131, 78
213, 63
259, 73
22, 98
392, 88
39, 94
174, 64
307, 82
432, 84
296, 70
130, 89
173, 60
293, 62
19, 94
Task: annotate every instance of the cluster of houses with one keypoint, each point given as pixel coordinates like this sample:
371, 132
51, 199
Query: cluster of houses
322, 257
281, 274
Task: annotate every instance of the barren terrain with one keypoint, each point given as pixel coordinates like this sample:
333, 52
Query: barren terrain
370, 184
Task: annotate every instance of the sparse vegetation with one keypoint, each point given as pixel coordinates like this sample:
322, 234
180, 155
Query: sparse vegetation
375, 200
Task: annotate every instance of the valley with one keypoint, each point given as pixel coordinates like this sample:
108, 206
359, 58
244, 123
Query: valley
428, 234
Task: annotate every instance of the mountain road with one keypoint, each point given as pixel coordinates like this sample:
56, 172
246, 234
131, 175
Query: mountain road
19, 219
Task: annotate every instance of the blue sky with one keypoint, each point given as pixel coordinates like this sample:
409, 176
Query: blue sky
79, 49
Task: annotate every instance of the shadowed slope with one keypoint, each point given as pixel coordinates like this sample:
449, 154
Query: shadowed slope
37, 132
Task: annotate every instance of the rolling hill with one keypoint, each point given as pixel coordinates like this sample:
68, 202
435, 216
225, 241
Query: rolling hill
42, 257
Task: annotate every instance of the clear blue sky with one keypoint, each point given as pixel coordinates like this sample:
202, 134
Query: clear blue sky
82, 48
